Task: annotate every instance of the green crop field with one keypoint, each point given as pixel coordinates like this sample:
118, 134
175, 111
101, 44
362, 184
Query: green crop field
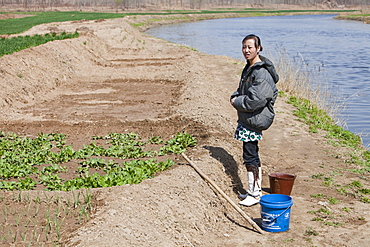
19, 25
11, 45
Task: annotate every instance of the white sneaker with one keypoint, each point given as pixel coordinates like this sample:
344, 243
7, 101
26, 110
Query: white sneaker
250, 201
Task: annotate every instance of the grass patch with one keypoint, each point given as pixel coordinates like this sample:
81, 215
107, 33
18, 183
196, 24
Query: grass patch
325, 216
355, 189
136, 25
357, 15
360, 157
364, 17
317, 119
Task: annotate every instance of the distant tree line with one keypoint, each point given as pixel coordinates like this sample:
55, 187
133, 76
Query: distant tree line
170, 4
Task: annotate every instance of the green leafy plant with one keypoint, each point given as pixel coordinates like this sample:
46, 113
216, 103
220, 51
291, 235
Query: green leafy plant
335, 224
311, 232
318, 176
345, 209
319, 195
364, 191
365, 199
356, 184
333, 200
178, 144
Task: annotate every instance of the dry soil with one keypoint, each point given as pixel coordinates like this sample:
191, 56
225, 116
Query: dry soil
115, 78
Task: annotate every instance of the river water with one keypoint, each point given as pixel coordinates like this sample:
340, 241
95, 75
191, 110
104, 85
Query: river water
339, 49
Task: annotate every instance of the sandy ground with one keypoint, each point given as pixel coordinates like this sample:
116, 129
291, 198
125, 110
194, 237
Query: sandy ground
114, 78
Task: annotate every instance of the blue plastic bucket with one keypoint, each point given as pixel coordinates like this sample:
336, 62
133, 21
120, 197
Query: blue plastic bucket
275, 212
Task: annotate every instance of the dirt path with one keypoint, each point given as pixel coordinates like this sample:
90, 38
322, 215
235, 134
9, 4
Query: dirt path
116, 79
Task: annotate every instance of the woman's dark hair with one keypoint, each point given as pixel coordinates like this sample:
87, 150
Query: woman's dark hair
257, 40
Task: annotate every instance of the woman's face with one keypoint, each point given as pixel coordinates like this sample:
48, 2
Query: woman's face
249, 49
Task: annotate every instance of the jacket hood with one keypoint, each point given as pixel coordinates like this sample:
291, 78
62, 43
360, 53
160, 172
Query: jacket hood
270, 68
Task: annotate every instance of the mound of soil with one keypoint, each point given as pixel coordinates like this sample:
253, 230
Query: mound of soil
113, 78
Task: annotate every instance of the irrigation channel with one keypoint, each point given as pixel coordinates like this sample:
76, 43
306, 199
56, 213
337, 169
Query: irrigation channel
337, 50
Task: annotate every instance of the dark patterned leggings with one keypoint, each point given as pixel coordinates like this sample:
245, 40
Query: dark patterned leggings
251, 158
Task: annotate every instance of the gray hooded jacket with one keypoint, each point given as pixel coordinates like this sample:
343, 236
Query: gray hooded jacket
256, 96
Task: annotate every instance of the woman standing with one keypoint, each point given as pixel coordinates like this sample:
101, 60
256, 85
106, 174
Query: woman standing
254, 101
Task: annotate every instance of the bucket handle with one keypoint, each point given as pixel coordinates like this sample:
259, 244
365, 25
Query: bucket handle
274, 219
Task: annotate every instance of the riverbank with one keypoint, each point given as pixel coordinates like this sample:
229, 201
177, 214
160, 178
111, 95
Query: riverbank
144, 22
362, 17
114, 78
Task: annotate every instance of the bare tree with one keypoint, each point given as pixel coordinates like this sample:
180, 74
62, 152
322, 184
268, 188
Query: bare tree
163, 4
